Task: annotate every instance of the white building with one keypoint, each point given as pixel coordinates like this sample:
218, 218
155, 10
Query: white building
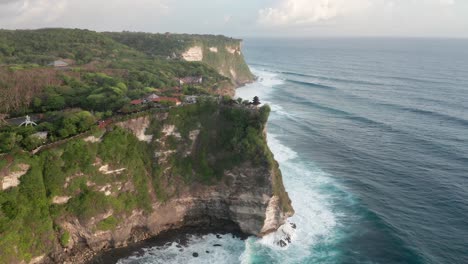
58, 63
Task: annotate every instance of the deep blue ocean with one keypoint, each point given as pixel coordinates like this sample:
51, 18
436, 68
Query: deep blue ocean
372, 139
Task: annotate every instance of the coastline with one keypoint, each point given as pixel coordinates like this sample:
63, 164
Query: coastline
180, 236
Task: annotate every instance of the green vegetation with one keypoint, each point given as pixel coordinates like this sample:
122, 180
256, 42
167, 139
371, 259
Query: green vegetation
58, 125
173, 45
25, 226
45, 45
229, 136
108, 224
103, 74
27, 213
64, 238
216, 150
83, 181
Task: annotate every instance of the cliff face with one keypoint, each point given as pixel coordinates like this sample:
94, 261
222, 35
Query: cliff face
225, 56
205, 164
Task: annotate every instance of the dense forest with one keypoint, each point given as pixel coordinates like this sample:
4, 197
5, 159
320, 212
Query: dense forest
102, 76
25, 73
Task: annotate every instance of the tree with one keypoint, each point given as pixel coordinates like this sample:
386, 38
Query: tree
54, 102
8, 141
31, 142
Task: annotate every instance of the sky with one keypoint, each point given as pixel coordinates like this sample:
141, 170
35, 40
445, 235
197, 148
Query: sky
247, 18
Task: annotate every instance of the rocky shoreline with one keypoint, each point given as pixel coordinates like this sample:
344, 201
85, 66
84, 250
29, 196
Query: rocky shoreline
179, 236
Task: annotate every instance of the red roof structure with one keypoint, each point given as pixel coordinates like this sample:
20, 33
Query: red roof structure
168, 99
104, 123
136, 102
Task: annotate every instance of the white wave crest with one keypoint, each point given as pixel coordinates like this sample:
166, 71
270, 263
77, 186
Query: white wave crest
281, 152
227, 250
315, 220
262, 87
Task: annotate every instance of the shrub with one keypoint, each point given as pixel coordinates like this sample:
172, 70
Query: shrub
65, 238
109, 223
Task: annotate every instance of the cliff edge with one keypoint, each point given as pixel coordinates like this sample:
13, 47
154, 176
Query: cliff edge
204, 164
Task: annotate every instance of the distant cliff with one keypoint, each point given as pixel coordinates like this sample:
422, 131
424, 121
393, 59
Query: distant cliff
222, 53
205, 164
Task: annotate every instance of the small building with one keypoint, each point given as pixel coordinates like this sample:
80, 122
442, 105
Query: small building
191, 80
41, 135
176, 101
136, 102
104, 123
191, 99
59, 63
151, 97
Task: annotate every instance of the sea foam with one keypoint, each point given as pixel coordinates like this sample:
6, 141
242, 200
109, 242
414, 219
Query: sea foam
308, 186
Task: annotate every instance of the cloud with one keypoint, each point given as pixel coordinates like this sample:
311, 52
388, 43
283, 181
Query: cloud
447, 2
300, 12
17, 12
227, 19
101, 14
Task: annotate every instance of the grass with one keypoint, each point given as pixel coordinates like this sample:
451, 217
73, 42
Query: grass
65, 238
110, 223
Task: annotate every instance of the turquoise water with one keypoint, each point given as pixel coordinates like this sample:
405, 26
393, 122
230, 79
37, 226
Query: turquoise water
372, 139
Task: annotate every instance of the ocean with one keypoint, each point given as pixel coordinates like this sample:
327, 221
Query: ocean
372, 138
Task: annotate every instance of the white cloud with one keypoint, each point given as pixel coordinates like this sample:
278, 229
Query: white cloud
299, 12
227, 19
78, 13
18, 12
447, 2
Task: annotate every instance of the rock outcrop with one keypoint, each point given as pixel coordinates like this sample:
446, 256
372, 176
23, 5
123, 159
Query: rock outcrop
193, 54
12, 179
243, 203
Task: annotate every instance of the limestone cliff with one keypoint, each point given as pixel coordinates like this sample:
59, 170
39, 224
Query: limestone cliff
205, 164
221, 53
225, 56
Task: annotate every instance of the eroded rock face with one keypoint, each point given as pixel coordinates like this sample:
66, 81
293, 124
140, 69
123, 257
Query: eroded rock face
60, 199
252, 207
12, 179
233, 50
138, 126
244, 196
193, 54
234, 68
